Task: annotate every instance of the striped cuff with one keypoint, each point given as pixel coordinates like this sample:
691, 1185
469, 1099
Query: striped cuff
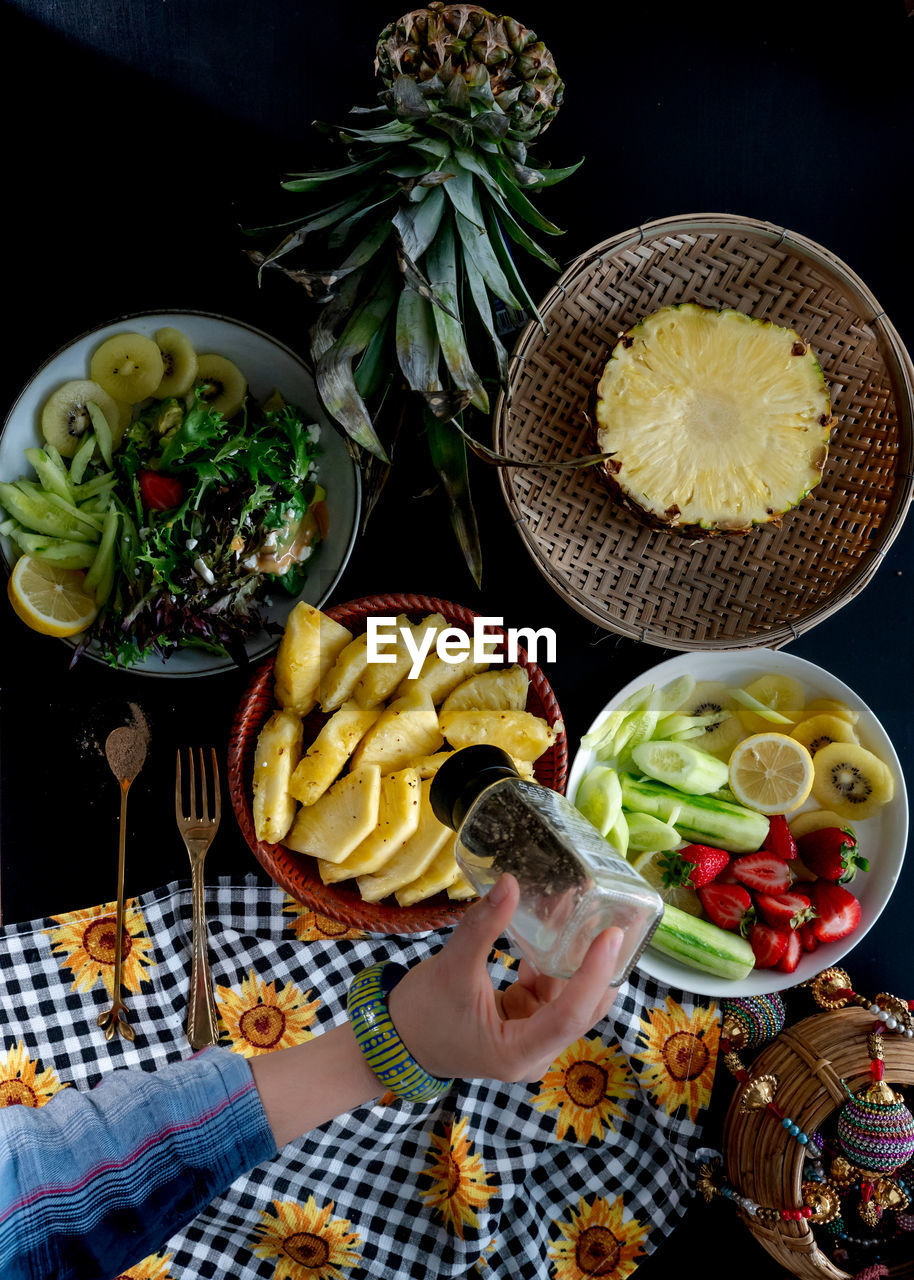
377, 1037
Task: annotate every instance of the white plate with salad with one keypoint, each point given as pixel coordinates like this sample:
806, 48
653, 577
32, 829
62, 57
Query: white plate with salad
777, 843
172, 480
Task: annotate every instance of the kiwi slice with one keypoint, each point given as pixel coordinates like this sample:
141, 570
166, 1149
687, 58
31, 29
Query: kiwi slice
129, 366
180, 361
851, 780
221, 384
814, 820
65, 417
781, 696
719, 737
818, 731
831, 707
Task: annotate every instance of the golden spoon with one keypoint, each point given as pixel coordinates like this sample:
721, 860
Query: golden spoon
125, 749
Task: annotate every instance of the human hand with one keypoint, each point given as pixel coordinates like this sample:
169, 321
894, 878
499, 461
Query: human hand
455, 1023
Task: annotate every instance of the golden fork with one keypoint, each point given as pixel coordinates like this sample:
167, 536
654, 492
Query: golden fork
198, 829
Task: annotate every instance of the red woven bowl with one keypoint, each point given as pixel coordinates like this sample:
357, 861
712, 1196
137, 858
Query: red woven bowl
297, 873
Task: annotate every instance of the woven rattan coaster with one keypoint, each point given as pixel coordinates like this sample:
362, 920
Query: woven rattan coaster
663, 588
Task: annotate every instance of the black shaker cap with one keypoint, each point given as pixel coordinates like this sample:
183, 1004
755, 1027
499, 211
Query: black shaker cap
463, 777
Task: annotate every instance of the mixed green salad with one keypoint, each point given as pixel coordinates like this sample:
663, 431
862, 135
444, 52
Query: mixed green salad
183, 529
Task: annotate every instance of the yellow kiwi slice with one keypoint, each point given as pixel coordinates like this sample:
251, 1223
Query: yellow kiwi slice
65, 417
831, 707
851, 780
221, 384
707, 698
778, 700
125, 417
814, 820
180, 361
128, 366
818, 731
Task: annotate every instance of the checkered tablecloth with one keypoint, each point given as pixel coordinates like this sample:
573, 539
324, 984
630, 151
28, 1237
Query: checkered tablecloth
577, 1175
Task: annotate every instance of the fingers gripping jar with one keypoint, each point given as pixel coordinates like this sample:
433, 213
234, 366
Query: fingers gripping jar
573, 884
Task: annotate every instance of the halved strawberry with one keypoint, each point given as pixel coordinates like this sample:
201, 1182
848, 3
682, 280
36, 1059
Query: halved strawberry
762, 872
768, 944
831, 852
839, 911
791, 957
725, 905
693, 865
779, 839
784, 910
808, 939
159, 491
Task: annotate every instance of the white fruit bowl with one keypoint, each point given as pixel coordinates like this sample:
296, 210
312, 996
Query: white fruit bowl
267, 364
882, 838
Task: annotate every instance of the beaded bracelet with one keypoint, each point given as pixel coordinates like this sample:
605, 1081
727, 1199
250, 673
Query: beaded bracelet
376, 1036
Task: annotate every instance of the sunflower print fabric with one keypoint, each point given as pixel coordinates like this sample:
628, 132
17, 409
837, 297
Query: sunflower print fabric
576, 1175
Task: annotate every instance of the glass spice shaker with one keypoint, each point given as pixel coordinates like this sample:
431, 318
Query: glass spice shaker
573, 884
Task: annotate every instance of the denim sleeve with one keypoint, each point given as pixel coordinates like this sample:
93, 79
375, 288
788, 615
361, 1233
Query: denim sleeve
92, 1182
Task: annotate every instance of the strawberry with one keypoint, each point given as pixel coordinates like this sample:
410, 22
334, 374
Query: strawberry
768, 944
779, 839
831, 852
792, 955
726, 905
784, 910
762, 872
160, 492
808, 939
839, 911
693, 866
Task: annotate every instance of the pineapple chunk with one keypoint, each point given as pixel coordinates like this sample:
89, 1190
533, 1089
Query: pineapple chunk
338, 685
441, 873
461, 889
413, 858
490, 691
341, 819
428, 766
277, 754
438, 678
524, 769
307, 651
522, 735
381, 678
398, 819
330, 750
406, 729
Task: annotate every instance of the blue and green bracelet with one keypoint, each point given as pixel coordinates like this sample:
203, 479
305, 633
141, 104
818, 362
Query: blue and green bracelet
376, 1035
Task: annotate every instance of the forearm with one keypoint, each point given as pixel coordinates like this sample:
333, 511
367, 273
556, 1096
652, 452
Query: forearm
305, 1086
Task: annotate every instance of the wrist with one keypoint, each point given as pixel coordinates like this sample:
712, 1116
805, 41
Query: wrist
378, 1035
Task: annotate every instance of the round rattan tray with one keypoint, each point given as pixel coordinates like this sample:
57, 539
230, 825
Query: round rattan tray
810, 1060
297, 873
663, 588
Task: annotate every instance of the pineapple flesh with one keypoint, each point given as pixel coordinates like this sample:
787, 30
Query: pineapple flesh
716, 422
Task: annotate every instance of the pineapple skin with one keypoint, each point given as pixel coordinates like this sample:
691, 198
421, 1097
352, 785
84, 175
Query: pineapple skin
669, 523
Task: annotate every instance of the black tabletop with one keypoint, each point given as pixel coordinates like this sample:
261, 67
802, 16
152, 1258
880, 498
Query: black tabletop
135, 132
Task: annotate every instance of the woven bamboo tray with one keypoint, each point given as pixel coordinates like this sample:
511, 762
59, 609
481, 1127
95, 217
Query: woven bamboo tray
660, 587
297, 873
810, 1060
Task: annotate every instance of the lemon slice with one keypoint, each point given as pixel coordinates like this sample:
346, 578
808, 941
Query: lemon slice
49, 599
771, 773
677, 895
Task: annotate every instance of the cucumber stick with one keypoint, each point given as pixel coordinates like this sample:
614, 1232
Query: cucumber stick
682, 766
702, 945
703, 819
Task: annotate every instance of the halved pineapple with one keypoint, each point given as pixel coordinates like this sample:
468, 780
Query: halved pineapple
382, 678
413, 858
276, 755
500, 690
406, 729
440, 874
309, 647
340, 820
717, 422
522, 735
398, 819
330, 750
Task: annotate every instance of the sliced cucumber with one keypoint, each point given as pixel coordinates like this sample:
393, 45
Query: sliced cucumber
647, 834
673, 695
752, 704
617, 835
602, 735
702, 945
704, 819
599, 797
682, 766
